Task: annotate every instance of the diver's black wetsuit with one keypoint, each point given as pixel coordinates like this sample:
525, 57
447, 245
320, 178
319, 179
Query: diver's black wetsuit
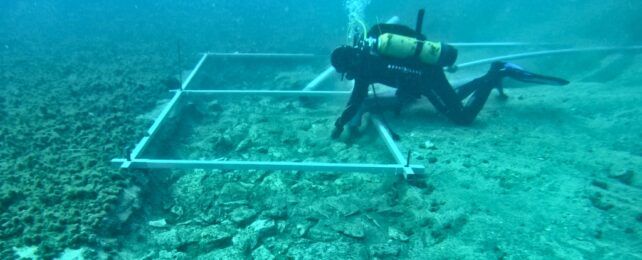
414, 79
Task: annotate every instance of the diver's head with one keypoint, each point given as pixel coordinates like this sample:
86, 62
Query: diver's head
344, 59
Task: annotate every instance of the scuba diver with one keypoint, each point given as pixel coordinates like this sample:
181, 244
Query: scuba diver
401, 58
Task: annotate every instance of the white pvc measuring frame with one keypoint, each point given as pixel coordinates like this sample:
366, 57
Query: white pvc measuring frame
134, 160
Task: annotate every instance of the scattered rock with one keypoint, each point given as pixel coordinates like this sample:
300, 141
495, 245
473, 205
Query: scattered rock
338, 147
81, 193
128, 202
246, 240
321, 233
276, 213
625, 177
325, 250
436, 205
428, 145
301, 229
8, 197
264, 227
396, 234
432, 160
160, 223
391, 212
214, 106
232, 192
600, 184
599, 202
262, 253
243, 216
177, 210
171, 255
168, 239
212, 216
353, 230
384, 250
214, 237
225, 253
243, 145
273, 183
452, 223
222, 142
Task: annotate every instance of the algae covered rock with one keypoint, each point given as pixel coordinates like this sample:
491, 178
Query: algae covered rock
262, 253
172, 255
168, 239
216, 236
226, 253
242, 216
232, 192
264, 227
128, 203
396, 234
353, 230
384, 250
327, 250
322, 233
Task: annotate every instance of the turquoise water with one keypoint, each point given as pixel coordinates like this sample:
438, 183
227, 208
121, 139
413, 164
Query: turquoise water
550, 173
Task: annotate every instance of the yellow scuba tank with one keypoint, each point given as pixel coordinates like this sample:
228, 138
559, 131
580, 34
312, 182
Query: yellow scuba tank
399, 46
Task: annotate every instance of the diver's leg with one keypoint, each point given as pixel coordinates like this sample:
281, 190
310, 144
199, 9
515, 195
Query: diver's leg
447, 101
499, 70
465, 90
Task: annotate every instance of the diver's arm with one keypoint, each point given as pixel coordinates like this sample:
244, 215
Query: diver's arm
359, 93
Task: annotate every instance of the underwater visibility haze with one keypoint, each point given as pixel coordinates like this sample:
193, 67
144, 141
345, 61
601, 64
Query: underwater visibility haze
543, 172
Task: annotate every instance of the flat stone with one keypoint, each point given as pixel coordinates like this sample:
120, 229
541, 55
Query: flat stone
428, 145
326, 250
396, 234
262, 253
164, 254
215, 236
246, 240
160, 223
353, 230
232, 192
625, 177
301, 229
264, 227
319, 233
384, 250
391, 212
243, 216
226, 253
168, 239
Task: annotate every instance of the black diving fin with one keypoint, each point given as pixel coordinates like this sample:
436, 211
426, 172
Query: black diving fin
516, 72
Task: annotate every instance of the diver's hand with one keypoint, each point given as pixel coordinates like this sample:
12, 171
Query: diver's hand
337, 132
